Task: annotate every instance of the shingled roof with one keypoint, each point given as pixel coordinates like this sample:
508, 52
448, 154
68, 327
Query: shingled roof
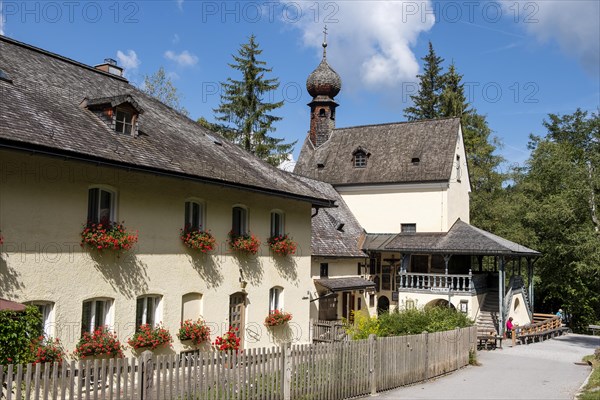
329, 238
462, 238
393, 150
41, 111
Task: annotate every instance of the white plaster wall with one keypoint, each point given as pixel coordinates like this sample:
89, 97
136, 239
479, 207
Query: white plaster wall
382, 209
519, 311
43, 206
458, 190
422, 299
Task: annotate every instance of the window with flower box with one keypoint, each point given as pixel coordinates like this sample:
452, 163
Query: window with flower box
96, 313
194, 215
101, 205
239, 221
148, 311
276, 298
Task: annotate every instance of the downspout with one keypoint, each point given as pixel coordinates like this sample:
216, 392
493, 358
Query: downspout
501, 297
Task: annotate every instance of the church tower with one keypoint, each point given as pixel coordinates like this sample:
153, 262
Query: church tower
323, 84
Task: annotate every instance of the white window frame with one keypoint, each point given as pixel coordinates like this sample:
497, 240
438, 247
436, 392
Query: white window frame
276, 298
113, 202
188, 213
47, 310
107, 318
360, 159
156, 300
244, 222
281, 227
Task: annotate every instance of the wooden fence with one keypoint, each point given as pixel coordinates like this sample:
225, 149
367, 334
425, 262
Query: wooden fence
312, 371
328, 331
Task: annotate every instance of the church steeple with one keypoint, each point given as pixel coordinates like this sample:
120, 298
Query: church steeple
323, 84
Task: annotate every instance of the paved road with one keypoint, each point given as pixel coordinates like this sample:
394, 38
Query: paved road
544, 370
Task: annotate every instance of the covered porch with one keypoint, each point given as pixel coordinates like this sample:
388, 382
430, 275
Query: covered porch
477, 272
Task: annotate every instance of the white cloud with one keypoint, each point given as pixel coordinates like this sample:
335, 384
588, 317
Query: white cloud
1, 19
370, 41
175, 39
179, 4
183, 59
289, 164
128, 60
573, 24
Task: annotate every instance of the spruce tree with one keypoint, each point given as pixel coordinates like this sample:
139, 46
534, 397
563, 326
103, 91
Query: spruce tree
427, 100
453, 102
244, 106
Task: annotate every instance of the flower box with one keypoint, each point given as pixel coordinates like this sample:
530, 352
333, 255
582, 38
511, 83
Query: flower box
101, 342
197, 239
47, 350
248, 244
229, 341
277, 318
108, 236
197, 332
282, 245
149, 337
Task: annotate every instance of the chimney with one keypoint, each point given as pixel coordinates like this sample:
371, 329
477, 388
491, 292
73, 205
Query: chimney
110, 66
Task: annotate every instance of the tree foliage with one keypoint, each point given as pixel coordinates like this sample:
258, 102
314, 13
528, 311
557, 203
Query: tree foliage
558, 194
427, 100
245, 109
17, 332
160, 86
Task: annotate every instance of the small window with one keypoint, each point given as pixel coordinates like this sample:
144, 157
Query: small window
458, 169
239, 223
96, 313
371, 300
277, 227
46, 309
148, 311
408, 228
101, 206
276, 298
324, 272
124, 121
360, 160
194, 215
415, 160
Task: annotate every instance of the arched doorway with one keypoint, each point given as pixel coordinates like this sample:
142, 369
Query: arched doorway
439, 303
383, 305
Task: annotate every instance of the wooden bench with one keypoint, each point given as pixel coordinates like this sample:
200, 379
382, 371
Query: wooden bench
594, 329
489, 342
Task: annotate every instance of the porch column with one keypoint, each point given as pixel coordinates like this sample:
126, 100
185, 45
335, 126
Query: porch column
530, 282
480, 262
448, 283
501, 279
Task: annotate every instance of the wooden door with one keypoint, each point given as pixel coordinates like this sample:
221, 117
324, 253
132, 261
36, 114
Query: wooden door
237, 314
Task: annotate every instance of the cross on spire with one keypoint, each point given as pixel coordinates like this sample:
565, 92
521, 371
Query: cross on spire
325, 42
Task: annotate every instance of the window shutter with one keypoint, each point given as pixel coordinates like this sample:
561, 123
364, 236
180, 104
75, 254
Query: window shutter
86, 317
139, 313
93, 205
187, 215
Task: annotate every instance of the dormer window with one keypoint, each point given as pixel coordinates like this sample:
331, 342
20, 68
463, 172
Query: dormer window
360, 157
124, 121
119, 113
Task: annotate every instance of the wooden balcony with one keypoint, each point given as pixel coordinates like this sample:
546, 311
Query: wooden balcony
441, 283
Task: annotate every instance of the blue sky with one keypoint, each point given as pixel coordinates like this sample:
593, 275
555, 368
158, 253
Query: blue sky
521, 59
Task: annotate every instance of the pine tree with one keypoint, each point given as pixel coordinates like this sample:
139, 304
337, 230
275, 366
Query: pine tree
453, 102
427, 100
244, 106
160, 86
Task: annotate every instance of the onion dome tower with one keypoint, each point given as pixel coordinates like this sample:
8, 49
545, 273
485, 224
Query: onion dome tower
323, 84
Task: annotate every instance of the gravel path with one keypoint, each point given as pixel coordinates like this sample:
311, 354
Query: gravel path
544, 370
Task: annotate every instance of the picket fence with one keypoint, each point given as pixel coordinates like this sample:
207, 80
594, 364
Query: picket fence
329, 371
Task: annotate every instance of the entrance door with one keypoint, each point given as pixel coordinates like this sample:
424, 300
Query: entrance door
237, 314
348, 300
383, 305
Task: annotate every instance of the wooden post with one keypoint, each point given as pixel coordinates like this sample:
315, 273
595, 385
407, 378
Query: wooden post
426, 355
147, 369
514, 337
286, 352
501, 297
372, 372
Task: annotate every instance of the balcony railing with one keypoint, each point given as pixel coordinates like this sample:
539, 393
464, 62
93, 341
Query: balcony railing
415, 281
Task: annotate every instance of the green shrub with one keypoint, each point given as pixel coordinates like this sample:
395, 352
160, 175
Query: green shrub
408, 322
17, 331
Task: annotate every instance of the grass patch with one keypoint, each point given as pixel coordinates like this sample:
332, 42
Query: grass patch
591, 391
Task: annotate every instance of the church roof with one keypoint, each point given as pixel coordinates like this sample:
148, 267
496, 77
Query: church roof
405, 152
335, 231
41, 110
462, 238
